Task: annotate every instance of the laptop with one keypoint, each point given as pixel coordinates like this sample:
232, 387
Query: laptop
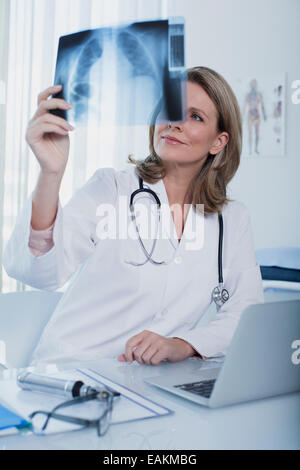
263, 360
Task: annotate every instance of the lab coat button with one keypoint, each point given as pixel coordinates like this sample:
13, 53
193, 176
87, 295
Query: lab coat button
178, 259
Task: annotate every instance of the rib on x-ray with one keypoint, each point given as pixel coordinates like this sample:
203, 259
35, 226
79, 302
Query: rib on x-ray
123, 75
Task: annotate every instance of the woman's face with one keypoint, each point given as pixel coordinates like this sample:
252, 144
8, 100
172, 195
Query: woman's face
197, 137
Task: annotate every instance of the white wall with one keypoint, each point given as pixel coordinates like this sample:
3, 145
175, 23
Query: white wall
257, 37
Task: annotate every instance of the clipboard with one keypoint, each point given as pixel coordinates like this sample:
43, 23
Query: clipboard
130, 406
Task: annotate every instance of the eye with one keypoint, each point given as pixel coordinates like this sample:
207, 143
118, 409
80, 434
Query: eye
197, 117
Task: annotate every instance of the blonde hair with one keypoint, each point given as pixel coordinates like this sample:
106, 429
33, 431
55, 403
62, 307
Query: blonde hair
209, 186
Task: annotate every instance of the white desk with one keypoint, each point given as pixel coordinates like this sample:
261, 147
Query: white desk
272, 423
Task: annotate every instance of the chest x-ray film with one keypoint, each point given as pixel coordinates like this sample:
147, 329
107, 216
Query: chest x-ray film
123, 75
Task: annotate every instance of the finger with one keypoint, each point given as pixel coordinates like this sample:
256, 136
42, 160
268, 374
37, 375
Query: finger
129, 350
157, 358
149, 353
54, 103
50, 118
141, 349
37, 127
121, 358
44, 95
131, 344
47, 128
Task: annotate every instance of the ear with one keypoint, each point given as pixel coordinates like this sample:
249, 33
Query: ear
220, 142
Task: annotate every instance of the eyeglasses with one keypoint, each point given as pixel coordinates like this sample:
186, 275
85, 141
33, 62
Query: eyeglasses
102, 423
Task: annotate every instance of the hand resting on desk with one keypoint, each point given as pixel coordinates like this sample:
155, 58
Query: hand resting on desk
150, 348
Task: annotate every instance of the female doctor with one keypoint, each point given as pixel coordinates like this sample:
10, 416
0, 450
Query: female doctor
137, 297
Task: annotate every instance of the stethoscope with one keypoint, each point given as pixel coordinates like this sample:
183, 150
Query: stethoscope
220, 295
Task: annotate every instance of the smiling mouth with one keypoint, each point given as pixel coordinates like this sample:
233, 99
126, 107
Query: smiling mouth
171, 140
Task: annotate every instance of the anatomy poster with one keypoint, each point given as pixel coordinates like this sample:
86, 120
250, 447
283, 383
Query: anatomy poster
262, 104
121, 75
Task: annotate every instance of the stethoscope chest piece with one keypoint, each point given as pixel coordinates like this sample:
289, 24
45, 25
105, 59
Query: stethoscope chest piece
220, 295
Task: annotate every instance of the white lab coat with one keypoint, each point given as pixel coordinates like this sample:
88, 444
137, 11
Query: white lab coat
108, 300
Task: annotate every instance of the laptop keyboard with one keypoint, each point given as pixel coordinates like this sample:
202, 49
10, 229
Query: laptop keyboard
203, 388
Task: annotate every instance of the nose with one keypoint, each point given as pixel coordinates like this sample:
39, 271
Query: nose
176, 125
